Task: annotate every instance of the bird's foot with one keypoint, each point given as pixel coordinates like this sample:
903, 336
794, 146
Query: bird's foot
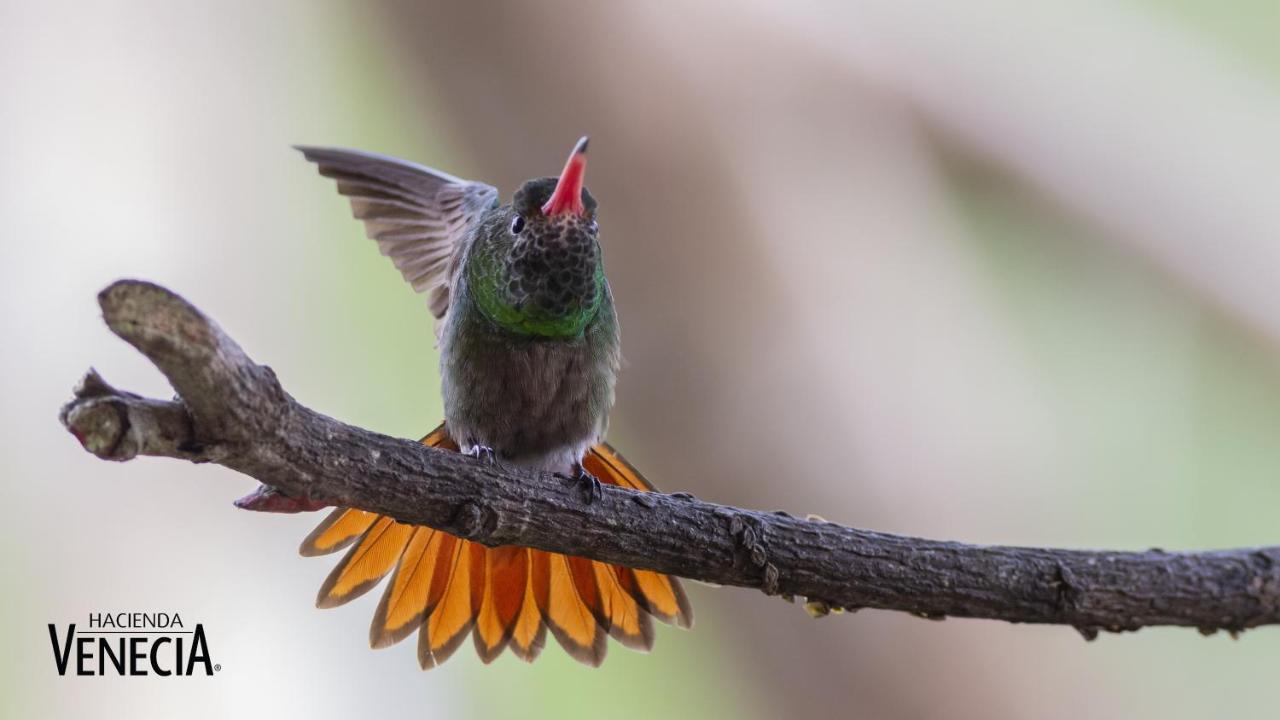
589, 484
483, 453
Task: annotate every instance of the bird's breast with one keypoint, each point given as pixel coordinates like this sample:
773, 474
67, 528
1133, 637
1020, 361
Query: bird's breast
537, 402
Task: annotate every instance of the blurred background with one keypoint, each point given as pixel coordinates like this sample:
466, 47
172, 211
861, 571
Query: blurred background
991, 271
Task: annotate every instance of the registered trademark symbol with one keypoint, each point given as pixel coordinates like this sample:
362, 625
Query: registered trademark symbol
217, 667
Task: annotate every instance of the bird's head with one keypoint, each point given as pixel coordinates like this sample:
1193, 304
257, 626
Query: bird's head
536, 263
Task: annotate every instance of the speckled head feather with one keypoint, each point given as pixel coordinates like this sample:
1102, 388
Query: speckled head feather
537, 274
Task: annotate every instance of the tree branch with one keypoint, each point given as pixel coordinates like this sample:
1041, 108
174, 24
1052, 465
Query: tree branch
234, 412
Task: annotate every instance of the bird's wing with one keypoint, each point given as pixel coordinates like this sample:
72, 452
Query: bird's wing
423, 219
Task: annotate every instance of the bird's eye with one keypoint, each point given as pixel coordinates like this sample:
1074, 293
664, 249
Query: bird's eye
517, 224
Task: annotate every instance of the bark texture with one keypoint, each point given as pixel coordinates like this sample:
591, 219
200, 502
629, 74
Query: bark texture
234, 412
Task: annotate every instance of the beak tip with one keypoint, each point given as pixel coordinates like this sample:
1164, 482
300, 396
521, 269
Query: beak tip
567, 195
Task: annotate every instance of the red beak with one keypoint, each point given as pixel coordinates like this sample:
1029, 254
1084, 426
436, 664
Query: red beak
567, 197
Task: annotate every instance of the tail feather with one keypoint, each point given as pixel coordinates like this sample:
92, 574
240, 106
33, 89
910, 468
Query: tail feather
340, 529
366, 563
663, 597
504, 593
451, 620
446, 587
565, 604
629, 623
658, 594
404, 604
530, 633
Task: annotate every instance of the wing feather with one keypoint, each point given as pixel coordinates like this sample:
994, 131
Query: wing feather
423, 219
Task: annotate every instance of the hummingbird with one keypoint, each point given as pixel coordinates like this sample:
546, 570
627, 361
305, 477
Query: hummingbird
529, 355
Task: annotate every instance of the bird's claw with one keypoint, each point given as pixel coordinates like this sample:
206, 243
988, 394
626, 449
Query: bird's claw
589, 484
483, 453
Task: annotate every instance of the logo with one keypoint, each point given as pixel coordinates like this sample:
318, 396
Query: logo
132, 644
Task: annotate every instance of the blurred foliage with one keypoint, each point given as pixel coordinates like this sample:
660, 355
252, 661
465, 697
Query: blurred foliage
1245, 29
1171, 411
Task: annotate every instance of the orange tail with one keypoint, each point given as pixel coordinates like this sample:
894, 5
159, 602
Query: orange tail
505, 596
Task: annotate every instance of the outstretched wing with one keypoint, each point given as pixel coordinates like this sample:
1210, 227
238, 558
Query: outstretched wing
423, 219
